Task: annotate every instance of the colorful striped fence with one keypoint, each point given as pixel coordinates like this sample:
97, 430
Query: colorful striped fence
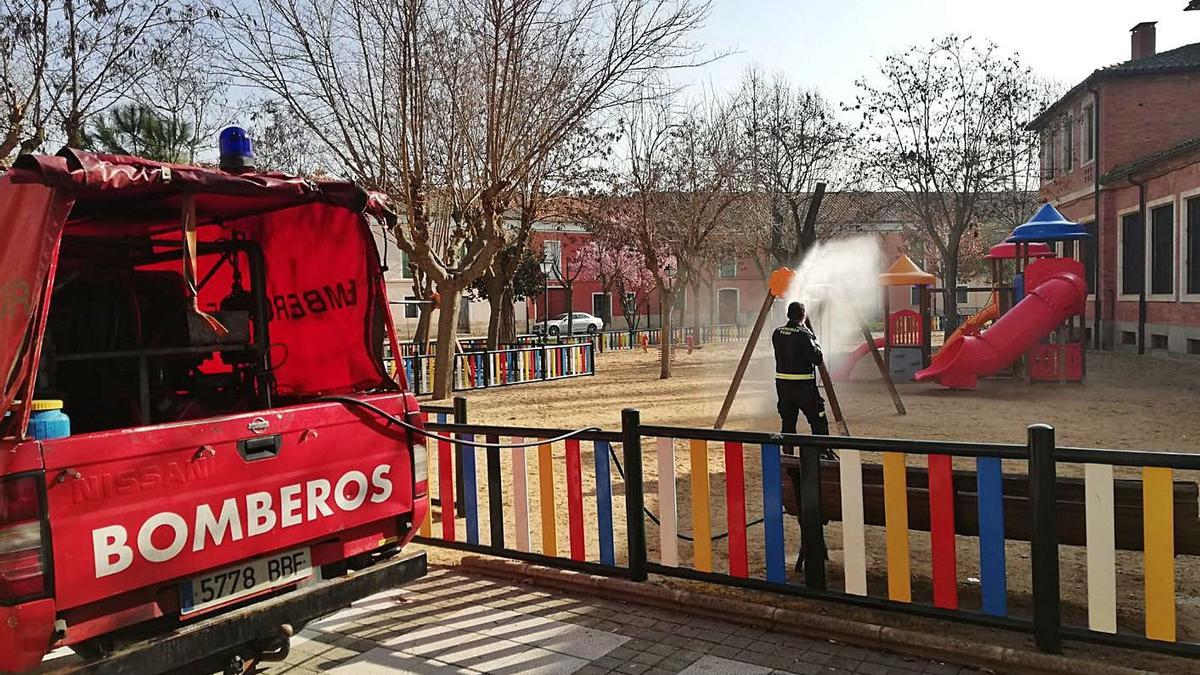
517, 365
714, 512
604, 341
526, 492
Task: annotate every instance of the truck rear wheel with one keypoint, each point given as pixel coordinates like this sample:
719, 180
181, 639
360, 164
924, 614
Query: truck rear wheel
95, 648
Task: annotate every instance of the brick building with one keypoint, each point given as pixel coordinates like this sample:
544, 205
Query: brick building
1125, 144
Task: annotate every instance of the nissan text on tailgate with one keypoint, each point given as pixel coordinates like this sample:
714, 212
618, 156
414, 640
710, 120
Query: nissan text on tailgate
183, 472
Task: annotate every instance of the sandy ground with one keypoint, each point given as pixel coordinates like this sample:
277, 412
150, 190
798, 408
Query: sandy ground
1127, 402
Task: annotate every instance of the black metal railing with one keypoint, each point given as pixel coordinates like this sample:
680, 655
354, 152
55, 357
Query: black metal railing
962, 492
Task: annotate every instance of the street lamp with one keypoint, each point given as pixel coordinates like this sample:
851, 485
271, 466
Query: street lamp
547, 267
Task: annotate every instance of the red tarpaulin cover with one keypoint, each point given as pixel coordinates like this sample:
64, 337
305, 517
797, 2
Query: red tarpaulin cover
323, 274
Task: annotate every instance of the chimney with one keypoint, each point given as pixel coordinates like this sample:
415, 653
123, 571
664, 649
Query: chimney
1142, 40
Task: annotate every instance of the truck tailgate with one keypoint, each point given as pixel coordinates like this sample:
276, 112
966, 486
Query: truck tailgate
132, 508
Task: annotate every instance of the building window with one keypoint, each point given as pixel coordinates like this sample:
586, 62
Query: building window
1162, 250
552, 253
727, 269
960, 295
629, 303
1159, 342
1192, 279
602, 307
914, 295
1133, 265
1068, 147
406, 270
1049, 153
1087, 137
411, 311
1087, 256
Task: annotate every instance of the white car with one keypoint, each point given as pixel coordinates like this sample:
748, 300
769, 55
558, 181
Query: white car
580, 322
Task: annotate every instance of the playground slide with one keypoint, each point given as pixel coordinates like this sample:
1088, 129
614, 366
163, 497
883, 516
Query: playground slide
845, 368
1059, 291
971, 326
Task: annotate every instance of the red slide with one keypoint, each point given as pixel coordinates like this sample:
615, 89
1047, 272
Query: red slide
843, 372
1059, 291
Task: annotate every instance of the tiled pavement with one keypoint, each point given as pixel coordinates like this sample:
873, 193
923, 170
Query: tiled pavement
451, 622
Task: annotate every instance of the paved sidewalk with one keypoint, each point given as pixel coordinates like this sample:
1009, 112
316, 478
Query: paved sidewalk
451, 622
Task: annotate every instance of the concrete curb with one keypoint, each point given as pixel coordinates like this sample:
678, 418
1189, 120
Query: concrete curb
867, 635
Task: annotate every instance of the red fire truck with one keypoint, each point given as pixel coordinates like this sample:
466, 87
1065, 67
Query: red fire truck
207, 333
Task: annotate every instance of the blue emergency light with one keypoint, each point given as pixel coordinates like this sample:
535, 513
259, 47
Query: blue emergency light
237, 153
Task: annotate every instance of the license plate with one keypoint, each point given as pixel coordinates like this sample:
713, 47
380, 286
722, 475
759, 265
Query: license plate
233, 583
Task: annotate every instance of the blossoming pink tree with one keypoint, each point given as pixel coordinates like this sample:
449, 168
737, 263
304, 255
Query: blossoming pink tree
621, 271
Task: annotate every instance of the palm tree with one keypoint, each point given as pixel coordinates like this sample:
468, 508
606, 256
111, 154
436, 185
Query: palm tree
138, 129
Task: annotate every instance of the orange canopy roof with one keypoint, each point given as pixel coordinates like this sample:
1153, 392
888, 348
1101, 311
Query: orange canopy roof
904, 272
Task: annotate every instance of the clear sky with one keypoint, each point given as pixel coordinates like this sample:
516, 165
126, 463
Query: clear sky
831, 43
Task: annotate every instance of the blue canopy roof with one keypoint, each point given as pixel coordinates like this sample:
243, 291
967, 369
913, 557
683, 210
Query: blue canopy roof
1048, 225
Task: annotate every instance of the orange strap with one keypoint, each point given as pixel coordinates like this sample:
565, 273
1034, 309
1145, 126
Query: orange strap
189, 265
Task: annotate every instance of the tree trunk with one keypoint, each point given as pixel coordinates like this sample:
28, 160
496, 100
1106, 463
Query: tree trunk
424, 318
498, 284
73, 128
508, 320
570, 290
950, 295
667, 306
443, 363
495, 316
12, 139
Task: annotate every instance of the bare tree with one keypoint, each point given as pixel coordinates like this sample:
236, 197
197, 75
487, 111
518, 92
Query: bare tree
183, 86
66, 62
939, 130
795, 140
459, 98
678, 192
24, 53
544, 194
103, 49
282, 142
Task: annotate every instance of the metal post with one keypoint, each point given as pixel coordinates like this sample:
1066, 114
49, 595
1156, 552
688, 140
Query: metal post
495, 495
635, 523
1047, 620
926, 327
460, 417
812, 528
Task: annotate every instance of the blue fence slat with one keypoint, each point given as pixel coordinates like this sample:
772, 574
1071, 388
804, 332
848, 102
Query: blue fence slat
773, 514
470, 494
604, 503
992, 575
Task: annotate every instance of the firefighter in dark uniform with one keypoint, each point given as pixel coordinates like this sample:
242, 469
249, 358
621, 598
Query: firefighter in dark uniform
797, 357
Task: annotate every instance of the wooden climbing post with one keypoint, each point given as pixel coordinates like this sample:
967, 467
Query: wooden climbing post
830, 393
879, 362
743, 362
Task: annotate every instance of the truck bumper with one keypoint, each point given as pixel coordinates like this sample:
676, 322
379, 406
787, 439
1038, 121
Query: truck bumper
25, 630
225, 632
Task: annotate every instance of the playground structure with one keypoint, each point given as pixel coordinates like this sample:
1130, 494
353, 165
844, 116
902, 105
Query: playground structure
1045, 323
906, 333
1038, 332
906, 343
